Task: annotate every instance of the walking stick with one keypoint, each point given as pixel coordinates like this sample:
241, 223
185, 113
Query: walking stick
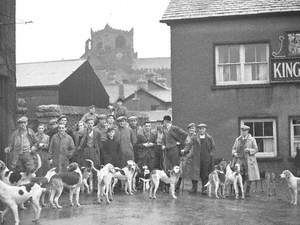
182, 168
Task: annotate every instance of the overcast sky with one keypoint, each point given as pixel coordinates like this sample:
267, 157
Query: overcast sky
60, 27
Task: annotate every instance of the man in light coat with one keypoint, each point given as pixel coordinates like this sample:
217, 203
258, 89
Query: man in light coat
61, 148
243, 151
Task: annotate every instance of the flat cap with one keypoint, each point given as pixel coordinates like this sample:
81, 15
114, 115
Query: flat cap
91, 106
132, 118
167, 118
121, 118
245, 127
61, 117
102, 117
22, 119
202, 125
120, 100
191, 125
53, 121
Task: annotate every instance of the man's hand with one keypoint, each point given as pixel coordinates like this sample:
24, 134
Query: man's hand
163, 147
235, 154
7, 150
50, 161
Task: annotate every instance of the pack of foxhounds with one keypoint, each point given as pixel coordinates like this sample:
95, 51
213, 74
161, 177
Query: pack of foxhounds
19, 188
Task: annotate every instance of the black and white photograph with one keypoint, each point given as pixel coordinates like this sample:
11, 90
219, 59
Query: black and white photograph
152, 112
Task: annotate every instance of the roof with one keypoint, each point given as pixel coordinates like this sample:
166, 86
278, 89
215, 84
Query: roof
162, 95
49, 73
113, 91
157, 115
195, 9
152, 63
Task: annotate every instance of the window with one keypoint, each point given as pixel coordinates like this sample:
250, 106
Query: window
154, 107
295, 135
242, 64
264, 131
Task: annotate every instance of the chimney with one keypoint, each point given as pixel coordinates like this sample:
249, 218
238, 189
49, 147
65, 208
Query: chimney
142, 84
121, 90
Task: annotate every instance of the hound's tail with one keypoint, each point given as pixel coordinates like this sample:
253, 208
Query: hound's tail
92, 165
207, 184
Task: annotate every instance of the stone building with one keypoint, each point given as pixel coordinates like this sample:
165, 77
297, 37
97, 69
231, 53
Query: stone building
7, 71
111, 53
237, 62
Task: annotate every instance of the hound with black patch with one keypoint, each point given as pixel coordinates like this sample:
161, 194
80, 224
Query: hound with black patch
125, 175
235, 178
72, 180
293, 185
145, 178
159, 175
13, 196
217, 178
87, 180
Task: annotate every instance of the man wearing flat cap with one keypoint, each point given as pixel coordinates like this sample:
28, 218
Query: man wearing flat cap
133, 124
91, 114
173, 137
124, 136
120, 109
243, 152
203, 147
22, 147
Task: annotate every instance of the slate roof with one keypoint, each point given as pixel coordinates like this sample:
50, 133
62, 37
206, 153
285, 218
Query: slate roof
164, 95
152, 63
45, 73
196, 9
113, 91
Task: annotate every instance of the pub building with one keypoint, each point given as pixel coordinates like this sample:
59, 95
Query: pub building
237, 62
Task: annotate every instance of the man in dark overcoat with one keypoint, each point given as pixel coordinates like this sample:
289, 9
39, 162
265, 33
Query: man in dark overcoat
173, 138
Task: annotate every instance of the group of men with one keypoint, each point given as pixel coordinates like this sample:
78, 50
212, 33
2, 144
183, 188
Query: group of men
115, 139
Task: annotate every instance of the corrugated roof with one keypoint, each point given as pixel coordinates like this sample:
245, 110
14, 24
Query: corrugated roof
193, 9
152, 63
113, 91
45, 73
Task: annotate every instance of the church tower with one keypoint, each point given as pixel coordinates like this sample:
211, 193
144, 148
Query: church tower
110, 51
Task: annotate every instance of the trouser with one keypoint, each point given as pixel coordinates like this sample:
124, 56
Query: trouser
205, 168
171, 158
24, 163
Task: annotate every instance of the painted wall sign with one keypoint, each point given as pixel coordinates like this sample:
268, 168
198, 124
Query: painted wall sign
285, 69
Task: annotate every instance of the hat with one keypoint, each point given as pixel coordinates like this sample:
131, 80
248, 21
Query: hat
102, 117
245, 127
61, 117
202, 125
110, 107
167, 118
22, 119
120, 100
191, 125
88, 119
91, 106
132, 118
53, 121
121, 118
110, 115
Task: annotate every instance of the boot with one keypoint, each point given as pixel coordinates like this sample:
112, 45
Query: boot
178, 185
194, 187
247, 194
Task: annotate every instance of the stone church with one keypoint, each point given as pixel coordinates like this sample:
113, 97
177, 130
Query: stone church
111, 53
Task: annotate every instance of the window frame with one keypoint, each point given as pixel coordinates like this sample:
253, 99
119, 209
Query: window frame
242, 64
291, 131
274, 121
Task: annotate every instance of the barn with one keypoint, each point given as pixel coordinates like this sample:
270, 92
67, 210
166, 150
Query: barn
64, 82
